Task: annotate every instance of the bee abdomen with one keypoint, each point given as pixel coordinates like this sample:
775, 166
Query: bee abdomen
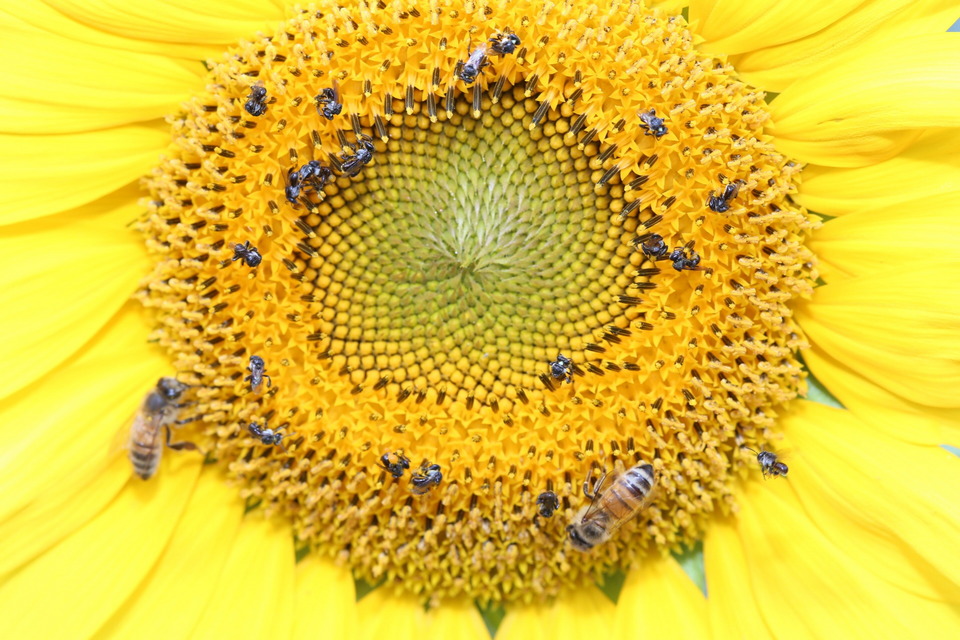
145, 459
638, 481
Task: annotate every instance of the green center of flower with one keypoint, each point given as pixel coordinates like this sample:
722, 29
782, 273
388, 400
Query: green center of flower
469, 254
481, 293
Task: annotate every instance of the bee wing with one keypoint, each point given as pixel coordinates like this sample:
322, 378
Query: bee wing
595, 503
783, 455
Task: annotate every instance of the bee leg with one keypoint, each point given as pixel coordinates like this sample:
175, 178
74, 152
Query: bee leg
179, 446
269, 381
596, 486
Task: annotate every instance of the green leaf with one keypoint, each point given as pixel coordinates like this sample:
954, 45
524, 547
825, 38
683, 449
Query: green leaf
819, 393
691, 561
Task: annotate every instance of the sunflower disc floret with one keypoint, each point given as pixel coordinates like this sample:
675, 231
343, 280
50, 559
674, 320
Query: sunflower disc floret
430, 250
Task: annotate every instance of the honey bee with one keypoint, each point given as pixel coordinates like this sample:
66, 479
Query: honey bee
770, 465
159, 411
609, 509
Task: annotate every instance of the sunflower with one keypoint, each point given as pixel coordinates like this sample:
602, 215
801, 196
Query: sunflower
434, 287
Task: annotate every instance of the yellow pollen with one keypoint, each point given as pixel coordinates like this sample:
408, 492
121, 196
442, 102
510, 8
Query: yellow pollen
601, 193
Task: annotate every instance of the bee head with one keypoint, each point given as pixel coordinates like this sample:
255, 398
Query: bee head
171, 388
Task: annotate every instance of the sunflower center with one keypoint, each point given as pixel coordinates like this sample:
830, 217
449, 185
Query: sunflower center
465, 267
418, 308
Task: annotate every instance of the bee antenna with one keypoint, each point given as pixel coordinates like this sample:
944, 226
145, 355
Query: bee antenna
743, 446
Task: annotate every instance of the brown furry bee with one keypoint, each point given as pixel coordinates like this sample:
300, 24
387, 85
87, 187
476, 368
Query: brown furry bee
158, 411
609, 509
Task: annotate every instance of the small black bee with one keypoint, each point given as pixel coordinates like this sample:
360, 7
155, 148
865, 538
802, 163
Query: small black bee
653, 124
424, 478
681, 261
314, 175
504, 43
769, 464
350, 164
469, 70
247, 254
328, 103
654, 247
255, 104
562, 368
395, 468
548, 503
721, 203
267, 436
294, 185
257, 373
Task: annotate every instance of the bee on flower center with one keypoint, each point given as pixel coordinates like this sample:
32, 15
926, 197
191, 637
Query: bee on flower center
654, 126
328, 103
424, 478
247, 254
475, 64
255, 104
504, 43
611, 508
397, 468
257, 369
267, 436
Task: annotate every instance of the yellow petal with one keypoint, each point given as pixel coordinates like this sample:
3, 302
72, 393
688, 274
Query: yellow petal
175, 21
857, 485
901, 328
902, 87
176, 591
56, 514
928, 167
897, 417
59, 85
384, 614
878, 240
74, 415
93, 571
65, 283
326, 600
44, 20
807, 54
253, 596
732, 606
87, 166
735, 26
802, 584
575, 615
659, 595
